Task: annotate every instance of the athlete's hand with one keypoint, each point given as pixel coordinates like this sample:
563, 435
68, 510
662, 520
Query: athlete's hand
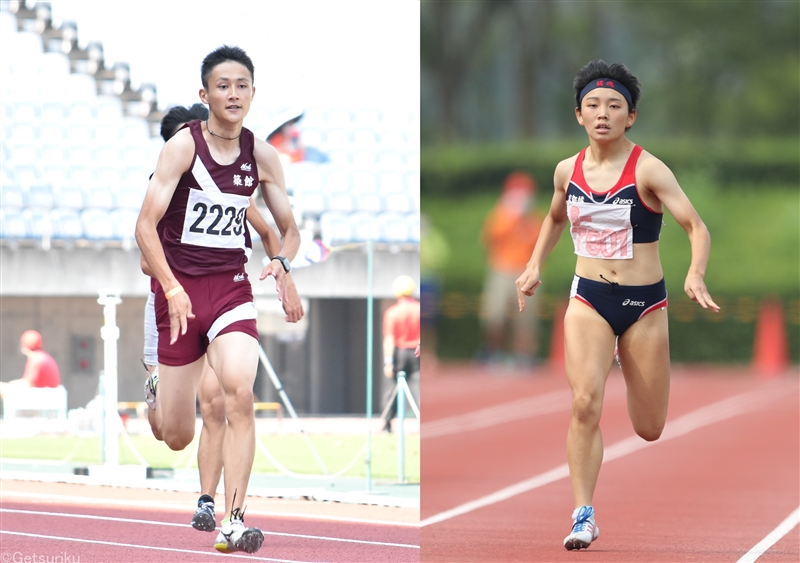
695, 288
275, 269
527, 284
180, 311
292, 305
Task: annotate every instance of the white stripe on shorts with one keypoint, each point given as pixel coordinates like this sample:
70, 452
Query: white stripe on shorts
243, 312
150, 331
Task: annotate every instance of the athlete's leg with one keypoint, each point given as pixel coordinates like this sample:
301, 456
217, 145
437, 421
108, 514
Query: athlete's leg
209, 451
234, 358
589, 351
644, 357
175, 412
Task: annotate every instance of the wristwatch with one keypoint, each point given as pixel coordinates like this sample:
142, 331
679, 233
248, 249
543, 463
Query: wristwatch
287, 267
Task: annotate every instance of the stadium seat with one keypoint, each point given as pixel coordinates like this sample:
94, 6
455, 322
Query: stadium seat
100, 197
336, 180
311, 203
413, 223
109, 108
339, 201
393, 228
53, 65
97, 224
130, 197
397, 203
124, 223
363, 227
391, 182
365, 159
12, 196
337, 118
69, 197
334, 228
12, 223
391, 160
41, 196
364, 182
37, 222
66, 224
369, 202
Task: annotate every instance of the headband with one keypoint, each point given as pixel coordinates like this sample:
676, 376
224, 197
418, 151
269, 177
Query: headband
606, 83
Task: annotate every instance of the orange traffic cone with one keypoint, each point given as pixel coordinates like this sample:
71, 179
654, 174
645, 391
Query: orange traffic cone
556, 360
771, 347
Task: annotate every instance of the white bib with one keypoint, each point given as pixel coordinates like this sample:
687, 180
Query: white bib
215, 219
601, 231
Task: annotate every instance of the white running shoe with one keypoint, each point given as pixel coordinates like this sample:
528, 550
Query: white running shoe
150, 389
235, 536
584, 529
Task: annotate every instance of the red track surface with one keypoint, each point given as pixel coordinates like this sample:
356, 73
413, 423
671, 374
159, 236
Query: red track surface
710, 493
85, 524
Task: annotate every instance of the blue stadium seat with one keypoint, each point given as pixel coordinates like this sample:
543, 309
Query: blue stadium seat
363, 227
397, 203
41, 196
101, 197
335, 229
124, 223
37, 222
66, 224
369, 202
12, 196
364, 182
393, 228
70, 197
131, 197
12, 223
97, 224
339, 201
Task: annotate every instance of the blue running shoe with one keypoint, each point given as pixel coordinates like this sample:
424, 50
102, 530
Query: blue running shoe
584, 529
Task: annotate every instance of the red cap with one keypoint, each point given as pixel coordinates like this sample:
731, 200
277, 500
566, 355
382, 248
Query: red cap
31, 339
520, 181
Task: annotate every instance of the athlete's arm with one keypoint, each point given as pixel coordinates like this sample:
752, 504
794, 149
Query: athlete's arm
552, 227
174, 160
269, 239
273, 190
659, 180
292, 305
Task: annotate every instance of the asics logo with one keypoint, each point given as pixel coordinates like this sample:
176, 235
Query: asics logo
240, 277
633, 303
623, 201
247, 167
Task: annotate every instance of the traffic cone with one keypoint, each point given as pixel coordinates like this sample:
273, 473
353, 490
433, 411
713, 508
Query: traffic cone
556, 360
771, 347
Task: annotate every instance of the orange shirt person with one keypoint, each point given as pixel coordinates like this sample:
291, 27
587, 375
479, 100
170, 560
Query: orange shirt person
41, 369
401, 330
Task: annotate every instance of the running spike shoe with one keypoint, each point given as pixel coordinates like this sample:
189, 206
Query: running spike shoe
235, 536
204, 518
584, 529
150, 388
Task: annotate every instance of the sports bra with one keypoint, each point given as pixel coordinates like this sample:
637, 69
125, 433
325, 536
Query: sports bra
605, 225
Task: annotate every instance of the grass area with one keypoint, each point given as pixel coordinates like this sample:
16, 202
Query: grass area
291, 451
755, 243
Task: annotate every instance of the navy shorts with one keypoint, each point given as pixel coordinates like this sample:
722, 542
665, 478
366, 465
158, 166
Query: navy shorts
221, 303
620, 305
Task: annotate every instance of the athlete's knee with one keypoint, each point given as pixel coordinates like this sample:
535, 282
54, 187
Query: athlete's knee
586, 407
649, 432
177, 439
213, 410
239, 400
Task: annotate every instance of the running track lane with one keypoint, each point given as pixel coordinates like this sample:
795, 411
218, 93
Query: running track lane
722, 477
135, 534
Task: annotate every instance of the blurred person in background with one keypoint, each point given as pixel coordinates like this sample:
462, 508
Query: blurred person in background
286, 138
401, 338
41, 370
209, 393
509, 236
613, 194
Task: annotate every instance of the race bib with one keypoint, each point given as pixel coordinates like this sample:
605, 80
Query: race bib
215, 219
601, 231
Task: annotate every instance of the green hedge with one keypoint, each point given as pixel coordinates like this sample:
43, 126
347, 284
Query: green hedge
465, 169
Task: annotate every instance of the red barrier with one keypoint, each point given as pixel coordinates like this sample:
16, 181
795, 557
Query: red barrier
771, 347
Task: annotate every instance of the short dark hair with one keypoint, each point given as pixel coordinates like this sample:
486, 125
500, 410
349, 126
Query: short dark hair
179, 115
221, 55
598, 68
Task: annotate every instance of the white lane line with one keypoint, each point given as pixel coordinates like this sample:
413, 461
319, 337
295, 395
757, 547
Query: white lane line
135, 546
180, 507
175, 524
498, 414
772, 538
683, 425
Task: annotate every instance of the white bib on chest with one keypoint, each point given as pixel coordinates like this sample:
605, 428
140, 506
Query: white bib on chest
601, 231
215, 219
